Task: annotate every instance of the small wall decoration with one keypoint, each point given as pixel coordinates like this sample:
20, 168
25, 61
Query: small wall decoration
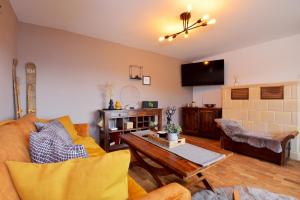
236, 80
275, 92
240, 94
135, 72
130, 96
146, 80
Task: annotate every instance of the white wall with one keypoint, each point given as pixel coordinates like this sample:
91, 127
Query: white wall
270, 62
8, 51
72, 69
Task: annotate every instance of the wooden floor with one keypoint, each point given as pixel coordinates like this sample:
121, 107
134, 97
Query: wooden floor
237, 170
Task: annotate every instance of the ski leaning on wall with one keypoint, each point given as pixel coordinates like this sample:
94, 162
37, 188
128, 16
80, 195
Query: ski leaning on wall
16, 90
30, 88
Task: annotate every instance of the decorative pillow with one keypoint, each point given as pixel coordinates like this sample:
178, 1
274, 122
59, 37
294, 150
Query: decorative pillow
56, 127
39, 125
65, 121
103, 177
53, 144
69, 126
90, 146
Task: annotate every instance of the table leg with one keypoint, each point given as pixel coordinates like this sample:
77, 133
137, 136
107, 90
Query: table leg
205, 182
153, 171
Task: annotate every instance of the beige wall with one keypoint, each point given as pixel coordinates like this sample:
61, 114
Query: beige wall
8, 51
71, 70
259, 115
270, 62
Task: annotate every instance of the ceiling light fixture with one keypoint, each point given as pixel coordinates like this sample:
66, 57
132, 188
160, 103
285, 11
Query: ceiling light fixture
185, 17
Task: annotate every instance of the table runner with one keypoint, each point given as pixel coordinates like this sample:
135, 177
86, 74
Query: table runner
198, 155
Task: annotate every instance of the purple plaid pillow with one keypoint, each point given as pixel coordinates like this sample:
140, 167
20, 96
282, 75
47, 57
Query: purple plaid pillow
53, 144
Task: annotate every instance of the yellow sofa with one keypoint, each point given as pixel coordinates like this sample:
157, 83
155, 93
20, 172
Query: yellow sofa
14, 142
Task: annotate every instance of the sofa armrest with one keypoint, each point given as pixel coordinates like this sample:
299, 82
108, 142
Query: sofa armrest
173, 191
82, 129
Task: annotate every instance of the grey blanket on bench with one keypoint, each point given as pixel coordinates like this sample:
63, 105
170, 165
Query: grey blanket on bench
257, 139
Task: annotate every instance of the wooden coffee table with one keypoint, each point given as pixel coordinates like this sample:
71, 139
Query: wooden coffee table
169, 162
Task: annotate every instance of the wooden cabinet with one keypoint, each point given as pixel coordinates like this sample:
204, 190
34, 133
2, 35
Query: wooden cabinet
200, 121
190, 121
113, 124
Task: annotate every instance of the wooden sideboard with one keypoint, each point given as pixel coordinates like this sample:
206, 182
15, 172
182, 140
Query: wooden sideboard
200, 121
109, 119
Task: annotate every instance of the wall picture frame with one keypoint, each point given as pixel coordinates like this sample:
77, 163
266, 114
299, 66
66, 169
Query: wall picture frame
135, 72
146, 80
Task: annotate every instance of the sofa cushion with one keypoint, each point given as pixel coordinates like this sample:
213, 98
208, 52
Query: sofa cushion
14, 146
134, 189
25, 125
53, 144
5, 122
103, 177
92, 148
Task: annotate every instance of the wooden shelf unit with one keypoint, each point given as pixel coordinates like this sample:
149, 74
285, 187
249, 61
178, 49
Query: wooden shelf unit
141, 119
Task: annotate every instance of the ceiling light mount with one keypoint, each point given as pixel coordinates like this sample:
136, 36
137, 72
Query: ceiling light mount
185, 17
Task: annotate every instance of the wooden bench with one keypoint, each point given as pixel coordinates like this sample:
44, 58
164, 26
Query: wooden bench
260, 153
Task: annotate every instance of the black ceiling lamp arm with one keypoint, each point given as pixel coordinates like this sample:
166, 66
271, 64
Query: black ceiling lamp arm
185, 17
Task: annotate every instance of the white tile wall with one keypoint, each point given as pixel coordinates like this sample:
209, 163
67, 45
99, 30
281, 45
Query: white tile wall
266, 115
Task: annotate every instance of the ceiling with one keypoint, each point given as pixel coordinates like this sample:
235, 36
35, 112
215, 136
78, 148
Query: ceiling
139, 23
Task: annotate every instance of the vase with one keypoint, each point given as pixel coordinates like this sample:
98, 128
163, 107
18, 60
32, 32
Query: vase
172, 136
111, 105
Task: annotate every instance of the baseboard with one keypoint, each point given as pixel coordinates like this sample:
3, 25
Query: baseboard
295, 155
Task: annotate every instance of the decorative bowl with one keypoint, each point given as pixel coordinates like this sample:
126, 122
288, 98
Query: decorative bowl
209, 105
162, 134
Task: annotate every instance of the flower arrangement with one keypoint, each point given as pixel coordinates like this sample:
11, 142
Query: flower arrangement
173, 128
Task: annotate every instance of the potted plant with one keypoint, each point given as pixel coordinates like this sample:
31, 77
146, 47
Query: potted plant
153, 125
173, 131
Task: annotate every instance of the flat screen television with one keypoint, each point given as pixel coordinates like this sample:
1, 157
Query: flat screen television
203, 73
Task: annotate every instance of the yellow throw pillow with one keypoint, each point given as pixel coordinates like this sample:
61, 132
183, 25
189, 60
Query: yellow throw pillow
90, 146
103, 177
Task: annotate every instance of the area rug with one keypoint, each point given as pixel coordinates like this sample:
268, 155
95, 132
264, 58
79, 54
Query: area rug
246, 193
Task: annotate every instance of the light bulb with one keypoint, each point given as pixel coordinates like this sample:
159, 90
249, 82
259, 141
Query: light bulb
162, 38
189, 7
212, 21
205, 17
186, 35
170, 39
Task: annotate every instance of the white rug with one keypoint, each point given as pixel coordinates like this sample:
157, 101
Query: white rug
246, 193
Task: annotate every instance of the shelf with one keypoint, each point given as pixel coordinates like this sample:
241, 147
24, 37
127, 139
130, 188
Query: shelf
132, 129
141, 119
115, 131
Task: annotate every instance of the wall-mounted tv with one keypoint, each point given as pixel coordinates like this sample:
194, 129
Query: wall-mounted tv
203, 73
